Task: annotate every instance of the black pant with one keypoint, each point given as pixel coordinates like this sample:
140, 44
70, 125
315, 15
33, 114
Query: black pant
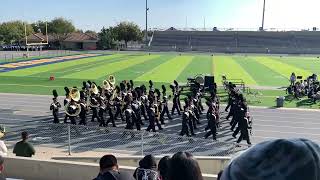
164, 111
175, 107
144, 112
95, 115
118, 112
83, 119
213, 130
185, 127
151, 124
55, 118
73, 120
233, 123
244, 135
111, 118
102, 122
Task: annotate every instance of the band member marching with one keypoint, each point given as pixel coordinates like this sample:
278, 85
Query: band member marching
84, 109
94, 102
165, 108
55, 106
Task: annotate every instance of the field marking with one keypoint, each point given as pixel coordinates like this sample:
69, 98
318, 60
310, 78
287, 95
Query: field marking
282, 68
168, 71
52, 67
228, 66
98, 62
29, 85
104, 70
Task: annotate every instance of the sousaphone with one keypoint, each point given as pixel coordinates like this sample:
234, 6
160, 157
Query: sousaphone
73, 108
112, 81
93, 99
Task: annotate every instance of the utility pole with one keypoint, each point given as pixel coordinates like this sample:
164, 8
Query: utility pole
147, 9
264, 9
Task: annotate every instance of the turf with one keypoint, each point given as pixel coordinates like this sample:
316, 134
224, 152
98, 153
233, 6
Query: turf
163, 68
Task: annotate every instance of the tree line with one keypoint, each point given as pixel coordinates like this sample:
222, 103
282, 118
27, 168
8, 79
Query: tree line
13, 32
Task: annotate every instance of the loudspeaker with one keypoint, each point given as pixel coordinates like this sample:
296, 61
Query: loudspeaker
208, 81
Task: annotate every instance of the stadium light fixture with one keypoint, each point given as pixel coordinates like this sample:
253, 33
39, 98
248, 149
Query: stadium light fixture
263, 11
146, 33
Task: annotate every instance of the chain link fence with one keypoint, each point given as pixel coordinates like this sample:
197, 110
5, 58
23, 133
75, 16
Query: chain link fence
13, 56
75, 139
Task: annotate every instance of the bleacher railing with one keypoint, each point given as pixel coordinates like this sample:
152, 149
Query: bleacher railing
72, 138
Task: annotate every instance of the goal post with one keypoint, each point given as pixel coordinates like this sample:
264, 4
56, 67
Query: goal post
35, 44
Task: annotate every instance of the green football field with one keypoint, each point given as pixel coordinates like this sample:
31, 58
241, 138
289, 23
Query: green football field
256, 71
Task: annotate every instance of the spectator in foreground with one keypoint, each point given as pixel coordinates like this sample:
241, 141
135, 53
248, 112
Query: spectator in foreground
184, 167
147, 169
1, 168
293, 159
163, 168
3, 147
109, 169
24, 148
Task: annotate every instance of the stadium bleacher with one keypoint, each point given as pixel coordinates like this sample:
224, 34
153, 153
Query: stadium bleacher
238, 41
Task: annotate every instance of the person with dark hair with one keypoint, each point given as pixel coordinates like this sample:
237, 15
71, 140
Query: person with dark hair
109, 169
184, 167
281, 159
147, 169
163, 168
24, 148
1, 168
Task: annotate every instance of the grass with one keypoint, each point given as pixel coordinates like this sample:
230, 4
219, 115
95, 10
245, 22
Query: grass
163, 69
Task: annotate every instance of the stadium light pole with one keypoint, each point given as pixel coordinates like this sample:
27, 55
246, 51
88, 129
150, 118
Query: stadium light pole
264, 9
147, 9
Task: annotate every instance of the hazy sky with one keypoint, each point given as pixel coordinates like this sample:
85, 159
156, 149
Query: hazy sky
94, 14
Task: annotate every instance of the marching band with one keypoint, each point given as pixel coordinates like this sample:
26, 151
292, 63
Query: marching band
132, 104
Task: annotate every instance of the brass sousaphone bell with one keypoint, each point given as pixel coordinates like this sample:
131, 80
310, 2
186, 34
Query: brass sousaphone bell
94, 91
73, 108
112, 81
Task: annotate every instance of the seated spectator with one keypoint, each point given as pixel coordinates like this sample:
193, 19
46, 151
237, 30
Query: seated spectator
294, 159
109, 169
163, 168
24, 148
1, 168
184, 167
147, 169
3, 147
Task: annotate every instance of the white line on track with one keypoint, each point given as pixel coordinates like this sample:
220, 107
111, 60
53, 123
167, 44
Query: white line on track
282, 116
293, 127
287, 132
289, 122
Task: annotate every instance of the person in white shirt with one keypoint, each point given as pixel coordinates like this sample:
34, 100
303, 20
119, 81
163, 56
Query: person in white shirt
3, 147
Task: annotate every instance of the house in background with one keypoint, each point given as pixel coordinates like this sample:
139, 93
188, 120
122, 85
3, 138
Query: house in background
72, 41
80, 41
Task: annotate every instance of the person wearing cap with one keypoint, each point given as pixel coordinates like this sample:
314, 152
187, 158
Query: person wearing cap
3, 147
1, 168
24, 148
109, 169
281, 159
